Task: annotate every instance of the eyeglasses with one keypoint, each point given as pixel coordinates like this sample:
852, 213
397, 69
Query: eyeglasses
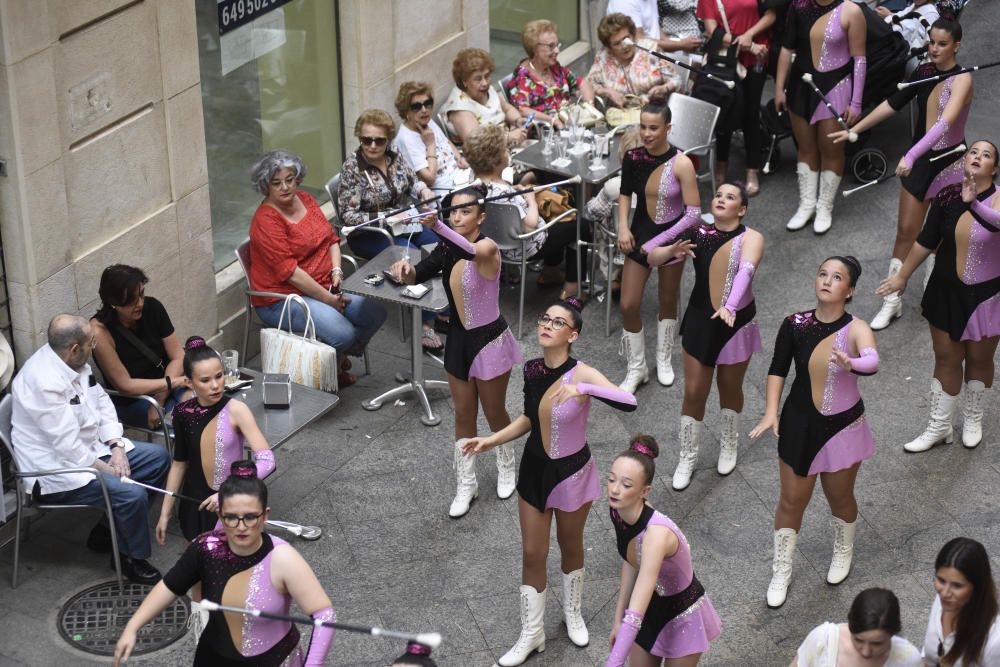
249, 520
376, 141
426, 104
551, 46
556, 323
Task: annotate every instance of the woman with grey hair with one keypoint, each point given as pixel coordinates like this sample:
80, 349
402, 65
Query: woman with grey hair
294, 250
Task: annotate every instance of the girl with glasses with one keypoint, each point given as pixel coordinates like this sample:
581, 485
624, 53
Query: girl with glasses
241, 565
558, 476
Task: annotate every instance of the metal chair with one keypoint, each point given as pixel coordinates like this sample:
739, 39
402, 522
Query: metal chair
693, 130
243, 257
504, 85
606, 241
25, 500
162, 432
503, 226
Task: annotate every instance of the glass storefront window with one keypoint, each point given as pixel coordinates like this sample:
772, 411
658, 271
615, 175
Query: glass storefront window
271, 83
507, 19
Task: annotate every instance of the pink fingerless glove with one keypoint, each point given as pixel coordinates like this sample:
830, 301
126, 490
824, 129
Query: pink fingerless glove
614, 396
926, 142
264, 461
741, 283
858, 87
322, 637
692, 215
867, 363
631, 622
454, 239
986, 215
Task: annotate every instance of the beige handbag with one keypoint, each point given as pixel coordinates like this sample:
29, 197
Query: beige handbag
306, 360
585, 113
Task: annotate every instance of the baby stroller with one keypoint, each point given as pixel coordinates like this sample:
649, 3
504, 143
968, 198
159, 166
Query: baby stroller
887, 54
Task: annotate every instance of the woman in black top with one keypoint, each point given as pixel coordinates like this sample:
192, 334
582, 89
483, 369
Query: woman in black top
137, 348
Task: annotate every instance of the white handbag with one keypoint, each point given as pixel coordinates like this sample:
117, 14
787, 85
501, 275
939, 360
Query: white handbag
306, 360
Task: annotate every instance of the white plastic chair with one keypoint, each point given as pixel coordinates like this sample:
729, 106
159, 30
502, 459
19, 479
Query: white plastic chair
693, 130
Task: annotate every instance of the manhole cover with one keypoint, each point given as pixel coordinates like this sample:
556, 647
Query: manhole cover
93, 619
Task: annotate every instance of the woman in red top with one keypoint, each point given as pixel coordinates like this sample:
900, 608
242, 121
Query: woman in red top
293, 250
751, 30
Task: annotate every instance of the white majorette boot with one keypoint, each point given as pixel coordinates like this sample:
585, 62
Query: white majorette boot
664, 348
506, 480
892, 305
939, 427
634, 348
465, 474
690, 428
808, 179
729, 438
532, 628
843, 550
781, 568
572, 608
972, 413
829, 181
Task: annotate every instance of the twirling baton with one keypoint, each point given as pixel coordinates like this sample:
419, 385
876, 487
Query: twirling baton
431, 639
852, 136
957, 149
941, 77
347, 229
311, 533
662, 56
848, 193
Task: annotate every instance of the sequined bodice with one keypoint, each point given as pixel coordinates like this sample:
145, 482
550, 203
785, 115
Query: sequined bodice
710, 241
481, 296
567, 421
676, 571
213, 453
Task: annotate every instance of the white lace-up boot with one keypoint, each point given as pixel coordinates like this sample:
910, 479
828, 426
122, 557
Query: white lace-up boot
939, 427
506, 479
892, 304
843, 551
729, 438
829, 181
664, 348
634, 348
573, 608
690, 428
465, 474
808, 179
781, 568
972, 413
532, 628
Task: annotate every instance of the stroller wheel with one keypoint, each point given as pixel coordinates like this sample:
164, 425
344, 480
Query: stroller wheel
869, 164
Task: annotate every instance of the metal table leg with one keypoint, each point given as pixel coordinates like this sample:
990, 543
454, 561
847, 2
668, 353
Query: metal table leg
417, 384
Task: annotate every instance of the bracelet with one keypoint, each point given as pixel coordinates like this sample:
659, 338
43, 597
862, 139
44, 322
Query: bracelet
170, 387
337, 270
432, 157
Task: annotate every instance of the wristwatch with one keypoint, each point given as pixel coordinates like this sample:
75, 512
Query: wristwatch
115, 444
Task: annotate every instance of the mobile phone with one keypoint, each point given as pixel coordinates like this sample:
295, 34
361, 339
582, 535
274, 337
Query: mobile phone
391, 278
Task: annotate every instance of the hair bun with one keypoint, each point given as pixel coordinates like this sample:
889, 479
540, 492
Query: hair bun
243, 469
416, 648
194, 342
642, 448
574, 303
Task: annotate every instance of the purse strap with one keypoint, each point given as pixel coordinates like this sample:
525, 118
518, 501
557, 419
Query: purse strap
139, 345
295, 298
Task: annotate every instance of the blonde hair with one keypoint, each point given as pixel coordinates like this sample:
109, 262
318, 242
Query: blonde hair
485, 148
611, 24
378, 118
532, 31
406, 93
468, 61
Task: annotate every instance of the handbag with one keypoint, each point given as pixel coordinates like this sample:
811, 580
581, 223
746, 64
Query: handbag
552, 204
713, 90
306, 360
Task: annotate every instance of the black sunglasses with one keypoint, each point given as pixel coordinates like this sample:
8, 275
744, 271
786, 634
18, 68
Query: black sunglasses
426, 104
377, 141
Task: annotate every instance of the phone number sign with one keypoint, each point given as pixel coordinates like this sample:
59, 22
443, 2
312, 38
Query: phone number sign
236, 13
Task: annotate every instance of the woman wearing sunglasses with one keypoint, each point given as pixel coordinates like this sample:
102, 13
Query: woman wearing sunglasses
963, 629
423, 144
375, 179
240, 565
558, 475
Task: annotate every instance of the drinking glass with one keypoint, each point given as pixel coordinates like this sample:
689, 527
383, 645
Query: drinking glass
231, 364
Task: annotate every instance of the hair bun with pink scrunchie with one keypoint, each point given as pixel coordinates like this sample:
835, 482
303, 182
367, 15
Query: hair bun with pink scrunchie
574, 303
643, 448
416, 648
194, 342
243, 469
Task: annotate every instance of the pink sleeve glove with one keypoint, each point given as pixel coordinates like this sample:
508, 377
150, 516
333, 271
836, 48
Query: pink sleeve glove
741, 283
613, 396
264, 461
986, 215
322, 637
455, 240
926, 142
631, 622
858, 86
867, 363
692, 215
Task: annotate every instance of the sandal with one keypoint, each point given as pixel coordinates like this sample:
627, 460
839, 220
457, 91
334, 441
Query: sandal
430, 341
752, 184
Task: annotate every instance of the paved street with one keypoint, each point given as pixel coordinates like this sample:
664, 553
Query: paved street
379, 483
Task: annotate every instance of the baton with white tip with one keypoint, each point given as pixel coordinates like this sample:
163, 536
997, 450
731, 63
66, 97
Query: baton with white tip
852, 136
662, 56
957, 149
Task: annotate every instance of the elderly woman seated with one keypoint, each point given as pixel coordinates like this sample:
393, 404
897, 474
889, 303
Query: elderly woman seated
136, 346
623, 73
424, 145
474, 101
293, 250
376, 179
486, 151
541, 85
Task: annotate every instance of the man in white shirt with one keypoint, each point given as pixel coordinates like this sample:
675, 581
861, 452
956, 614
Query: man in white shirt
62, 418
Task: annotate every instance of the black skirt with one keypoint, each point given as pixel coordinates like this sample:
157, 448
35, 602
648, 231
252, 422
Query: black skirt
703, 338
919, 180
642, 231
462, 345
539, 474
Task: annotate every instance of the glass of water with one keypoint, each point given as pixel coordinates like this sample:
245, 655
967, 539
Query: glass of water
231, 364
